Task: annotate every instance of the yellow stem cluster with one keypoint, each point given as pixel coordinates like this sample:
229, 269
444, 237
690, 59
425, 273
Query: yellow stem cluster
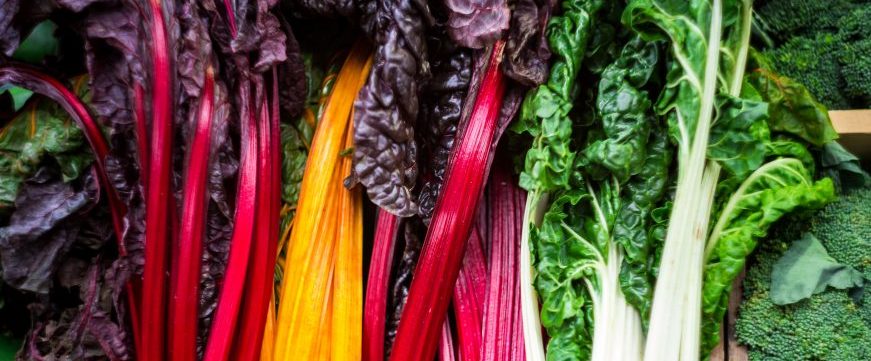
319, 315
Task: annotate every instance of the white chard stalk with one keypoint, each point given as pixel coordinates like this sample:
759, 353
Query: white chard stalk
675, 322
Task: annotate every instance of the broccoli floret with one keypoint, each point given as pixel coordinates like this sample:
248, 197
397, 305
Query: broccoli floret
828, 326
855, 55
824, 44
786, 18
814, 62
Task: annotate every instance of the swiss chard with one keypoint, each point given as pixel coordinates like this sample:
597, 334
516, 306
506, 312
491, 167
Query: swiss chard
375, 305
548, 163
440, 260
184, 288
502, 336
385, 154
719, 135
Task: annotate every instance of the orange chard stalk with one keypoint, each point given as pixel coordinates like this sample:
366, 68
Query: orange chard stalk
348, 280
305, 308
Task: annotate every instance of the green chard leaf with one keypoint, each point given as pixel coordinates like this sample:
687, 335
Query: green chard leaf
636, 152
544, 113
792, 109
775, 189
563, 259
41, 131
624, 109
593, 246
785, 147
682, 98
739, 135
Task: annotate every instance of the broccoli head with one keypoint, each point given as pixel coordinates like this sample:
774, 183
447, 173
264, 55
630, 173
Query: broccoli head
814, 62
832, 325
787, 18
855, 55
824, 44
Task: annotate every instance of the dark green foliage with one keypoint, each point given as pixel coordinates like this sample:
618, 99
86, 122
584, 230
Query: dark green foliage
42, 133
824, 327
813, 60
856, 71
827, 326
787, 18
824, 44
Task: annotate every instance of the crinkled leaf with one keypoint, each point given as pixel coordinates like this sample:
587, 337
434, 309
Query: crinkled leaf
774, 189
441, 109
256, 30
42, 229
786, 148
385, 153
526, 50
807, 269
624, 108
477, 23
41, 132
545, 111
791, 106
739, 135
562, 260
682, 97
635, 228
83, 327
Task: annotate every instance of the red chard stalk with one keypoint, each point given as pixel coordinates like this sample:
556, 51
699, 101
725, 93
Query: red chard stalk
442, 254
184, 291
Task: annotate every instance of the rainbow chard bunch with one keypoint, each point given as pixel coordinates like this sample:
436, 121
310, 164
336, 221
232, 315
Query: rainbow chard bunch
204, 179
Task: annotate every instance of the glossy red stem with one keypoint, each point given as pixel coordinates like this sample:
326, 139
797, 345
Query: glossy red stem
261, 269
502, 323
184, 293
223, 330
377, 286
231, 17
157, 212
442, 253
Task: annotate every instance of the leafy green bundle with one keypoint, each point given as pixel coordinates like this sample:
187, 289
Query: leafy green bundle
647, 195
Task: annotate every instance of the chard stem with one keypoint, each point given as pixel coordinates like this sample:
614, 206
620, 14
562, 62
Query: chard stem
536, 203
